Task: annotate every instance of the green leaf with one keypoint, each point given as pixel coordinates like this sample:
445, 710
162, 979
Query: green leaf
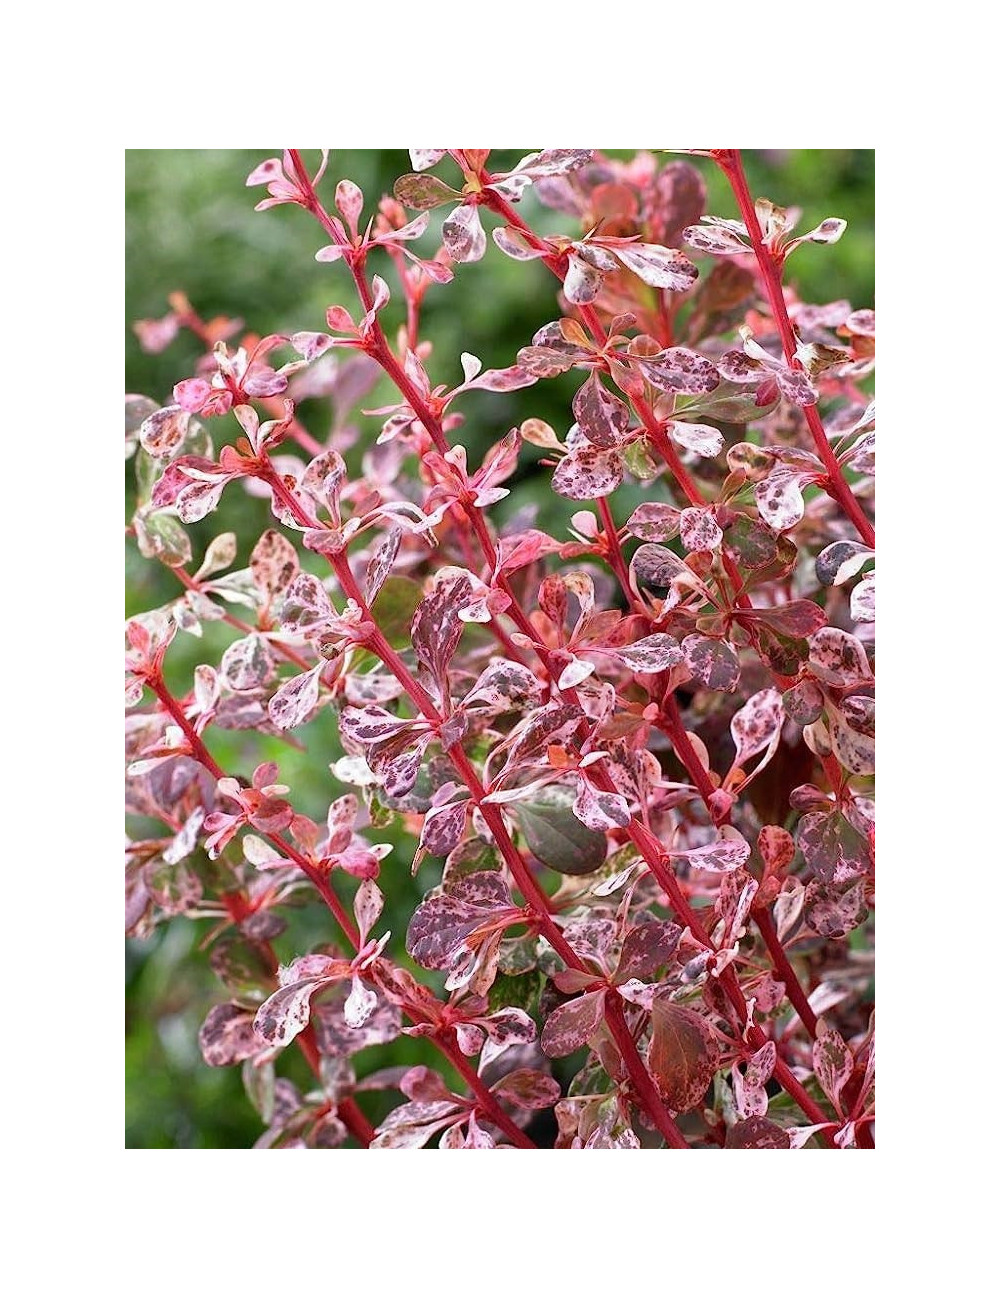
556, 837
394, 608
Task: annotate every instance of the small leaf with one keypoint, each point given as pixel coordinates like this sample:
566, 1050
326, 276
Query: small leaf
571, 1025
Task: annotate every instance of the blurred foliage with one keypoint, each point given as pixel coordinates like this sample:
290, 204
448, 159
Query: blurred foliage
190, 226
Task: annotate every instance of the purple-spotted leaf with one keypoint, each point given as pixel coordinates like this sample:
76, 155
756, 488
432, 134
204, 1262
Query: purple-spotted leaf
443, 828
582, 283
684, 1054
718, 239
863, 600
727, 854
647, 948
528, 1088
651, 654
749, 1089
228, 1036
835, 850
247, 664
715, 663
779, 498
699, 529
835, 910
307, 606
381, 562
334, 1037
600, 810
803, 703
757, 726
411, 1125
421, 159
832, 1061
163, 433
509, 1025
654, 521
588, 474
663, 268
702, 439
602, 417
445, 922
286, 1013
571, 1025
463, 235
503, 685
549, 726
679, 370
757, 1134
423, 192
437, 626
372, 725
273, 564
838, 658
840, 561
295, 701
852, 734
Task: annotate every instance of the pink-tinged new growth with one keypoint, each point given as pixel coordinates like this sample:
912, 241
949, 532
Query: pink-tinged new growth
632, 752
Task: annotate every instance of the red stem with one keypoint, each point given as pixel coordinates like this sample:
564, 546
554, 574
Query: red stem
641, 1081
770, 264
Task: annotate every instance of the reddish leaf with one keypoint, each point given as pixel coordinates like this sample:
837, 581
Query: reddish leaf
443, 923
715, 663
528, 1088
602, 418
295, 701
683, 1054
586, 475
647, 948
228, 1036
273, 563
832, 1061
651, 654
571, 1025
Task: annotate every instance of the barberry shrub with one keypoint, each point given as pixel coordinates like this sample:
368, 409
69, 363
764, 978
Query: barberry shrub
633, 756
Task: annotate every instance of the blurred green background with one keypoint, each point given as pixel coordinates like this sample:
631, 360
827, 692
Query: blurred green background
190, 226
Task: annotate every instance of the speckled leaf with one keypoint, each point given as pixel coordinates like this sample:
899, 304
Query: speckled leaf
548, 727
699, 529
528, 1088
443, 828
411, 1125
663, 268
421, 159
863, 600
838, 658
441, 924
683, 1054
835, 910
437, 628
854, 748
803, 703
718, 240
834, 850
247, 664
306, 607
586, 475
245, 967
749, 1090
679, 370
334, 1037
602, 417
571, 1025
463, 235
286, 1013
295, 701
757, 726
779, 498
832, 1061
600, 810
715, 663
840, 561
503, 685
654, 521
228, 1035
700, 438
371, 725
162, 434
757, 1134
647, 948
728, 854
381, 562
651, 654
273, 563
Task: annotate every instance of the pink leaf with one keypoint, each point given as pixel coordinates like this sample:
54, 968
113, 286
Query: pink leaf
586, 475
573, 1024
293, 702
463, 234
